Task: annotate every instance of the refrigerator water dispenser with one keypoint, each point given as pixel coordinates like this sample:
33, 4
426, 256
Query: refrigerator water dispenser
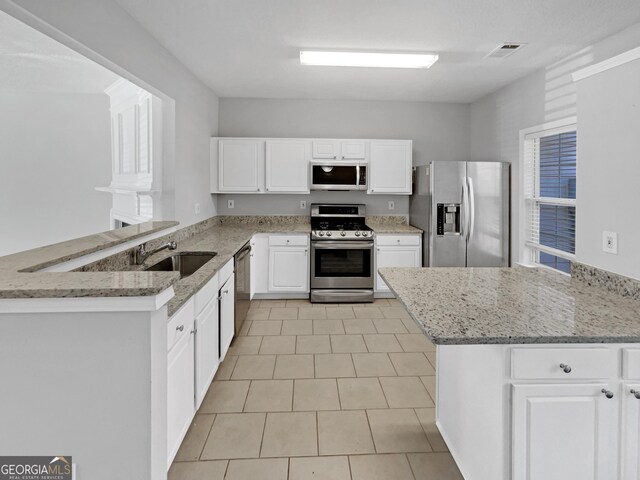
448, 219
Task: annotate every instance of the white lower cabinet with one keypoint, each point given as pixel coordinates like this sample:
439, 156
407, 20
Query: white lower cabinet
396, 251
630, 431
289, 263
180, 381
206, 354
227, 315
541, 412
563, 431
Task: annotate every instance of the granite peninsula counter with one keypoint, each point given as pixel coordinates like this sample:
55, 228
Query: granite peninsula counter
537, 373
511, 306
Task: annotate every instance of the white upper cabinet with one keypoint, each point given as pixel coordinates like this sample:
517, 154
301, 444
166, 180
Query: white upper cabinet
325, 149
353, 149
287, 166
240, 165
390, 167
328, 149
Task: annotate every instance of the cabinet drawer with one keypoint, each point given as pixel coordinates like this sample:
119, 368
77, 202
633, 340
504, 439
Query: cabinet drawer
631, 363
206, 294
544, 363
403, 240
180, 324
288, 240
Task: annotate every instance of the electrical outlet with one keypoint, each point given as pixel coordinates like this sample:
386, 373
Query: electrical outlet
392, 205
303, 204
196, 208
610, 242
230, 204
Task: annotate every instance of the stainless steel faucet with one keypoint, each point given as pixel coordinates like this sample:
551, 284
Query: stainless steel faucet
141, 254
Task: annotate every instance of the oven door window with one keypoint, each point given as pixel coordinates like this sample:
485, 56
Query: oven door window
343, 263
344, 175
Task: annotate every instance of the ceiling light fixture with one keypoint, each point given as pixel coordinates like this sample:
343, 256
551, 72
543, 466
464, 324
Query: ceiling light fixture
367, 59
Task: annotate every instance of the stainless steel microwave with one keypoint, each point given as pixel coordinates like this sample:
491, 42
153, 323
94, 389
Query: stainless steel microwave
338, 175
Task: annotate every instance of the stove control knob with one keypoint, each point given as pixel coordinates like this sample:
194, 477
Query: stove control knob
321, 234
342, 234
364, 234
328, 234
357, 234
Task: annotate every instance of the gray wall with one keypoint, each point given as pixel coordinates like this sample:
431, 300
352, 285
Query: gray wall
608, 193
547, 95
54, 149
440, 131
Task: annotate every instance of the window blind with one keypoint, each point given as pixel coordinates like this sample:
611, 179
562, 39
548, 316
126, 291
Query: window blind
550, 196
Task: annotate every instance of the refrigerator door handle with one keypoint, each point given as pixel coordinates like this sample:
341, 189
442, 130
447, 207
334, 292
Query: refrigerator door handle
464, 221
472, 209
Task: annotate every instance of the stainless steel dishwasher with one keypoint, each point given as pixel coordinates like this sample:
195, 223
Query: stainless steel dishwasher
243, 286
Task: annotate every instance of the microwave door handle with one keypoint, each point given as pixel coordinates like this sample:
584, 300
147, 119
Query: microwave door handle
358, 175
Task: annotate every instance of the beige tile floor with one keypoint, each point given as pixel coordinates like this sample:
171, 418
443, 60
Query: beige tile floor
308, 391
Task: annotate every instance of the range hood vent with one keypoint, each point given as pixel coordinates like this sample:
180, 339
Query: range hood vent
505, 50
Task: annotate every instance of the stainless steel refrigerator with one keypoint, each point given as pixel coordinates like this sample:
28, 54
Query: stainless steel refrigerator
463, 208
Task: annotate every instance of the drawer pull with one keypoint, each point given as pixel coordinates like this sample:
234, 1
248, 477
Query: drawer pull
565, 368
607, 393
180, 328
635, 393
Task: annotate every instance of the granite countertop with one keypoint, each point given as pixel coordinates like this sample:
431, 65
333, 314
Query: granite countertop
20, 276
512, 306
226, 240
382, 227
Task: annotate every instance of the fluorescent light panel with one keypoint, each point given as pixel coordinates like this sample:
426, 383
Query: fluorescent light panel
367, 59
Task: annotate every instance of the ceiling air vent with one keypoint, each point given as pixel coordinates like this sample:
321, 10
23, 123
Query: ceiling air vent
505, 50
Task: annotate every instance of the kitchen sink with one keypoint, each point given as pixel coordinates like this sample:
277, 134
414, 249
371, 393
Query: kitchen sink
184, 262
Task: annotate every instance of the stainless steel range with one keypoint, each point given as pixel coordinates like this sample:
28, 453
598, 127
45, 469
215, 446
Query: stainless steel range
341, 254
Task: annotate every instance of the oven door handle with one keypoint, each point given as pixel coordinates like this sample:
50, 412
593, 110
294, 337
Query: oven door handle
342, 245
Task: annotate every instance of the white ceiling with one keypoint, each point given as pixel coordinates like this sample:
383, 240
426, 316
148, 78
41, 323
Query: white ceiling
249, 48
32, 62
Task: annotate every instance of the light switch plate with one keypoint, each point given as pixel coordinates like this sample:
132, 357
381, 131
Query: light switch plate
230, 204
196, 208
392, 205
303, 204
610, 242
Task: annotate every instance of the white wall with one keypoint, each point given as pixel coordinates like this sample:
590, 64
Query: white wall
547, 95
608, 186
54, 149
103, 31
440, 131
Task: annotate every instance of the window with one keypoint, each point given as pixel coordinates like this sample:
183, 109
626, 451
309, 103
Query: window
550, 196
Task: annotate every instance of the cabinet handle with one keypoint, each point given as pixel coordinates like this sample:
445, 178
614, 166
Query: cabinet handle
225, 292
565, 368
607, 393
193, 332
306, 250
180, 328
635, 393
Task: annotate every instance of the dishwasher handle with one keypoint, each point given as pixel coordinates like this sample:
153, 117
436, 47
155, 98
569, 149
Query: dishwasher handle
243, 253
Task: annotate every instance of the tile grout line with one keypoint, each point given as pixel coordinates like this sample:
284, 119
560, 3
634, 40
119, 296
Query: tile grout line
206, 439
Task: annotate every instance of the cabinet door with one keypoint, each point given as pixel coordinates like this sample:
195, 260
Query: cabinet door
180, 391
390, 167
206, 349
227, 315
240, 165
259, 264
287, 166
325, 149
564, 431
630, 432
288, 269
353, 149
395, 257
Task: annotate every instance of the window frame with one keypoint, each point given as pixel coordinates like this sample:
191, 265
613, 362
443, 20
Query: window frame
529, 252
